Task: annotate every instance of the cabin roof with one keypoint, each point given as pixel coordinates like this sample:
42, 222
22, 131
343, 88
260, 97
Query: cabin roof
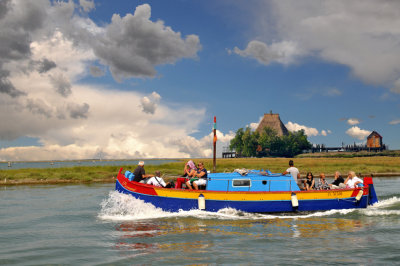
255, 182
374, 133
273, 121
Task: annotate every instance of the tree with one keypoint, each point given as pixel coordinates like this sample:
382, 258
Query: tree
237, 142
248, 143
266, 139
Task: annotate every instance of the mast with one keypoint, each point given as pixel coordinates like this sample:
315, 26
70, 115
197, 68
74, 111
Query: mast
215, 144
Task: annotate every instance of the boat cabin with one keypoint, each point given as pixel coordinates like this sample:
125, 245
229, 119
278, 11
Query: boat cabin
251, 182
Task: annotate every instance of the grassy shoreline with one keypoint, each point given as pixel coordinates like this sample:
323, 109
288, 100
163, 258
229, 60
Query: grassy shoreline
377, 166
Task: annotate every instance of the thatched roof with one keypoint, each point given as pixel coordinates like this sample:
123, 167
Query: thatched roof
273, 121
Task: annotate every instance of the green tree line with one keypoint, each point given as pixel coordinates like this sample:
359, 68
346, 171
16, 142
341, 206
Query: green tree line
248, 143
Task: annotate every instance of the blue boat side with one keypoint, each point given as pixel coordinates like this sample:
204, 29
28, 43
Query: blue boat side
177, 204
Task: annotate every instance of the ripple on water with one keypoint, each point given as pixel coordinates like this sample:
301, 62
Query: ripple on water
91, 225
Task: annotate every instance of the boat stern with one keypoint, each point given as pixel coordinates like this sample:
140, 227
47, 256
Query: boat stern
372, 198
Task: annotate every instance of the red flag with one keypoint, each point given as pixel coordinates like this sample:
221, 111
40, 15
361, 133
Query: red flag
215, 129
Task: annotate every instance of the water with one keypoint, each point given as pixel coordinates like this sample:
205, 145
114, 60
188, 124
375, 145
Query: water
93, 225
56, 164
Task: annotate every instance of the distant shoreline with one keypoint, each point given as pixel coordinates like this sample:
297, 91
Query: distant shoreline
112, 180
77, 163
380, 166
90, 160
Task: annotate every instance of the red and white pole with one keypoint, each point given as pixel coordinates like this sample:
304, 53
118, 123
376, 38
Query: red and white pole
215, 144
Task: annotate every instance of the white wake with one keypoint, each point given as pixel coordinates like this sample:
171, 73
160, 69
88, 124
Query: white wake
122, 207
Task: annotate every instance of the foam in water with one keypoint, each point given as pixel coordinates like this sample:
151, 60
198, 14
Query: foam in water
120, 206
372, 212
386, 203
378, 209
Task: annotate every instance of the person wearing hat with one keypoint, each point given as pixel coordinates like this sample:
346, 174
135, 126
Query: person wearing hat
140, 173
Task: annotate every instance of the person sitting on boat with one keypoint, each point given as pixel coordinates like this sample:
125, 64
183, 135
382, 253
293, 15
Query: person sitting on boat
158, 181
140, 173
190, 169
338, 182
293, 171
309, 183
352, 181
322, 184
199, 179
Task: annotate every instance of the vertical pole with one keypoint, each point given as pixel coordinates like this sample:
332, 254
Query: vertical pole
215, 144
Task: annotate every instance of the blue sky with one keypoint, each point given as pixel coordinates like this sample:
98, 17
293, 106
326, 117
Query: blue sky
144, 79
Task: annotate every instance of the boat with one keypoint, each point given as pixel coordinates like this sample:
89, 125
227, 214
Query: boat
255, 191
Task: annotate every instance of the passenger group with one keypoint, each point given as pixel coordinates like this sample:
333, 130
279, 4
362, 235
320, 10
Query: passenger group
309, 183
196, 177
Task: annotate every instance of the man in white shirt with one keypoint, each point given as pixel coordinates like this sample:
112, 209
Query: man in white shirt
352, 180
293, 171
156, 180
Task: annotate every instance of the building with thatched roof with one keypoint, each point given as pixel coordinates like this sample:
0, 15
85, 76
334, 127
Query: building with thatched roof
273, 121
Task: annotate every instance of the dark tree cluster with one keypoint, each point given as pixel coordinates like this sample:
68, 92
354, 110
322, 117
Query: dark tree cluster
248, 143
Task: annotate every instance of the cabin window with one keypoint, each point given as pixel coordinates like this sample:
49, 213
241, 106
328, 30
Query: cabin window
264, 182
241, 182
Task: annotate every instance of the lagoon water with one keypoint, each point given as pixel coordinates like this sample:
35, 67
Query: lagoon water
94, 225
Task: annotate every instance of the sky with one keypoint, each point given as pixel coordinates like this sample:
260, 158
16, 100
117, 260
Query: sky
144, 79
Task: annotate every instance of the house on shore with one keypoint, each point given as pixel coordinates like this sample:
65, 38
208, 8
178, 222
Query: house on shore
374, 143
374, 140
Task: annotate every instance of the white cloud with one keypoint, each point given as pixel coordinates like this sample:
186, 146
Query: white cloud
283, 52
96, 71
61, 84
309, 131
113, 126
358, 133
325, 132
395, 122
293, 127
396, 86
149, 103
362, 35
87, 5
254, 125
203, 147
353, 121
133, 45
42, 97
332, 92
